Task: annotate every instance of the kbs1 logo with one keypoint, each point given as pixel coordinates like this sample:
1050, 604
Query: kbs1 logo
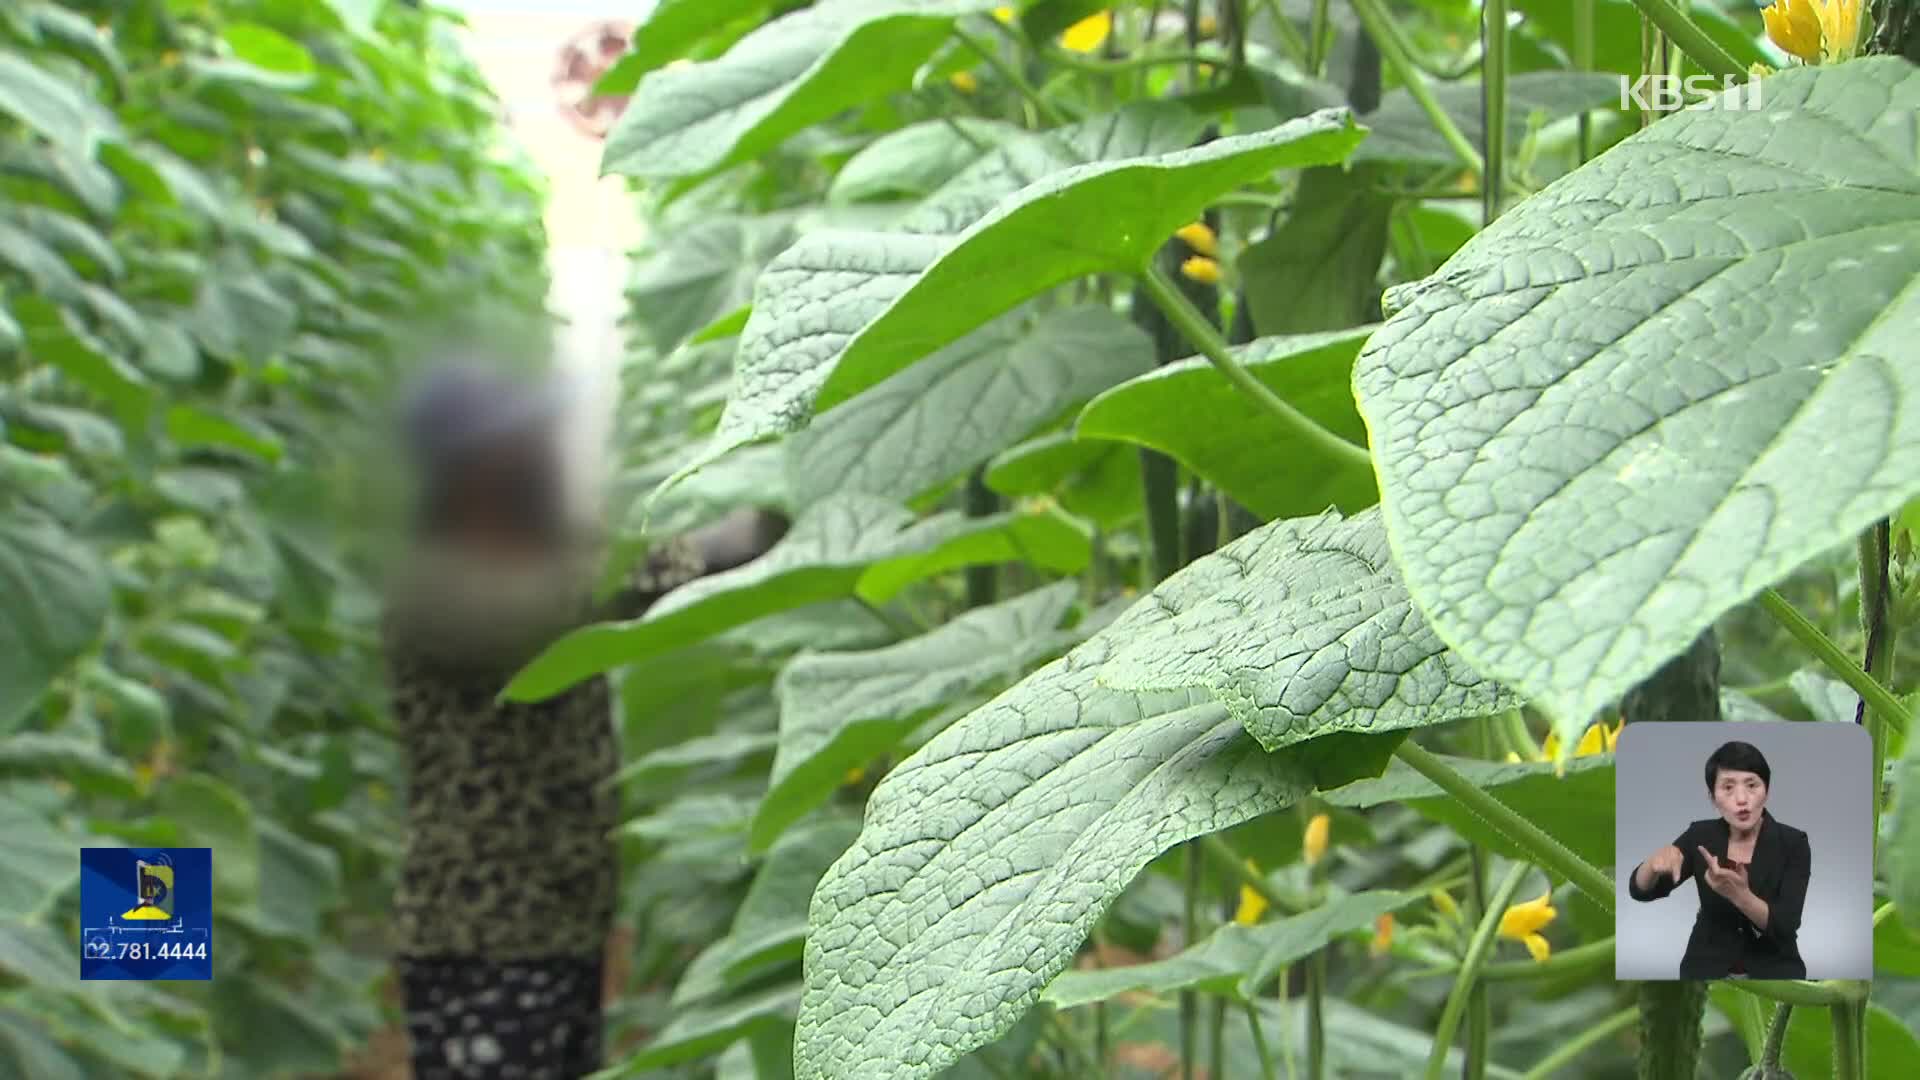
1662, 93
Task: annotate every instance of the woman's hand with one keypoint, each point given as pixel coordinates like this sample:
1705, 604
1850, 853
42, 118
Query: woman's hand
1667, 861
1729, 879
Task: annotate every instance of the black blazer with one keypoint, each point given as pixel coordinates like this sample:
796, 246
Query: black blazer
1723, 937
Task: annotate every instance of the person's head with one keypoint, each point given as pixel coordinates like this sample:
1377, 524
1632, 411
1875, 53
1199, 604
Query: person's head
488, 463
1738, 780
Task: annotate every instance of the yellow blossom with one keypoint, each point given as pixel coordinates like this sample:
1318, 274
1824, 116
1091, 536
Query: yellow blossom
1794, 25
1202, 269
1207, 26
1443, 903
1004, 13
964, 81
1089, 33
1523, 923
1815, 31
1598, 739
1382, 935
1252, 904
1314, 844
1200, 238
1840, 29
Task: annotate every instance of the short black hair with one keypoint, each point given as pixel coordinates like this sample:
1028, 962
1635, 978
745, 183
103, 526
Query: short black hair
1738, 756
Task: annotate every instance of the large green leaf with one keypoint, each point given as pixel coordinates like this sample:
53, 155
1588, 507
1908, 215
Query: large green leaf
675, 26
916, 160
697, 274
1233, 960
55, 593
1093, 478
849, 545
841, 310
50, 106
1617, 40
965, 403
771, 922
1659, 385
1576, 808
839, 709
1188, 411
1071, 789
791, 72
1308, 631
1903, 840
1399, 130
1892, 1048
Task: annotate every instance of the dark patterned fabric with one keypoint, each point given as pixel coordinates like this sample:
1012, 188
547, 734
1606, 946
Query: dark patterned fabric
470, 1018
508, 862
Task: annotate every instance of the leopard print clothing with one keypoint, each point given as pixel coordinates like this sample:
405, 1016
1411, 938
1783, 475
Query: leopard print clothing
518, 1020
508, 849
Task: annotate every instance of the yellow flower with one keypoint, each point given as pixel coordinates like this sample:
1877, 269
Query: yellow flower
1252, 904
1208, 26
1004, 13
1382, 935
1597, 739
1815, 31
1443, 903
1523, 923
1840, 29
1200, 238
1794, 25
1088, 34
964, 81
1202, 269
1314, 844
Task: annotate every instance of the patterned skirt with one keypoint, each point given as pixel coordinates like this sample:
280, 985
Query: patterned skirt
472, 1018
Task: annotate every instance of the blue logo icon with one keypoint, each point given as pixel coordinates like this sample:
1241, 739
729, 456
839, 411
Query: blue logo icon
146, 913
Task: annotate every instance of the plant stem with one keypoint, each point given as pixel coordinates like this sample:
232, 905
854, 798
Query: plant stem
1571, 1050
1583, 59
1550, 854
1464, 980
1876, 623
1848, 1018
1692, 40
1201, 334
1814, 995
1259, 1041
1317, 39
1189, 1000
1877, 697
1776, 1035
1289, 36
998, 63
1316, 1014
1376, 22
1493, 91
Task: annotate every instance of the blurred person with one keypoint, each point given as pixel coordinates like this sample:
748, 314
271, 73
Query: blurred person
507, 887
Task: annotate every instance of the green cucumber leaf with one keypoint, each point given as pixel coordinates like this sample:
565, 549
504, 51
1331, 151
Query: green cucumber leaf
1188, 411
849, 545
788, 74
965, 403
838, 710
1658, 386
841, 310
1309, 631
949, 916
